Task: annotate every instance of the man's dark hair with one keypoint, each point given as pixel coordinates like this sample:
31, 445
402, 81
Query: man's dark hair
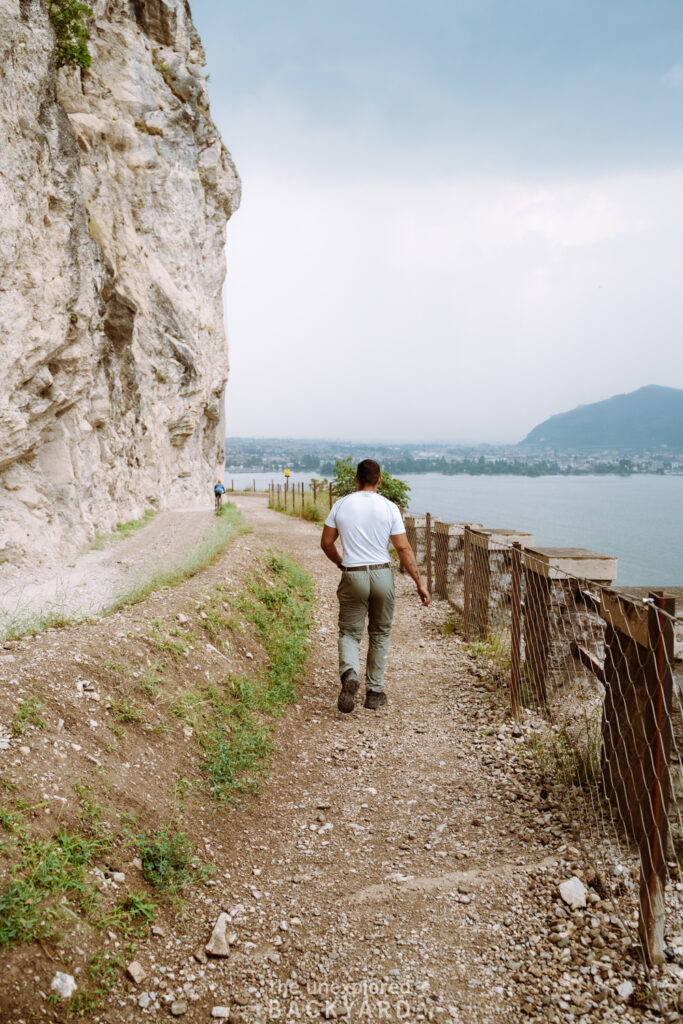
368, 472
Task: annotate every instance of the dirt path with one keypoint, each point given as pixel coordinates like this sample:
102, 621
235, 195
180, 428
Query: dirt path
389, 863
397, 865
95, 578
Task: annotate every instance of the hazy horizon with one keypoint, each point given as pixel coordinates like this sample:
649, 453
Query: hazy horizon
456, 221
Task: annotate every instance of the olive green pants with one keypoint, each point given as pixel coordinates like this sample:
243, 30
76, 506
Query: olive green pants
365, 594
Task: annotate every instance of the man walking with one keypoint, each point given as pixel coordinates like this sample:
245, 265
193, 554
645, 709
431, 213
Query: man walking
366, 522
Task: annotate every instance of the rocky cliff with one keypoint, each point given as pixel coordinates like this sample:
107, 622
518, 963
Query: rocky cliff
115, 190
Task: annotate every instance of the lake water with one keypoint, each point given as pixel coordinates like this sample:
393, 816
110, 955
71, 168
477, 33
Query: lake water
638, 518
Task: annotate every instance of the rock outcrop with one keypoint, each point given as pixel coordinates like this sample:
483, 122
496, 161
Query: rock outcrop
115, 190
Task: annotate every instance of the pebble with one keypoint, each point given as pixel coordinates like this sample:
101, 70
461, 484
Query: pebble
625, 989
136, 971
221, 1011
179, 1007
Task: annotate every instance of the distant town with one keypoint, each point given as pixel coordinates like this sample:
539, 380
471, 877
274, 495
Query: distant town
318, 457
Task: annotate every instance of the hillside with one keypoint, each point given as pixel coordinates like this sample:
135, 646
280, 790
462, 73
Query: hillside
641, 420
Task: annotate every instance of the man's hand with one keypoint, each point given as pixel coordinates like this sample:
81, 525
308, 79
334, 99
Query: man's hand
424, 594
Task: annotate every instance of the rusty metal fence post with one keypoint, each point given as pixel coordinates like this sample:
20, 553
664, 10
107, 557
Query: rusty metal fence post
467, 582
516, 627
655, 759
428, 550
441, 535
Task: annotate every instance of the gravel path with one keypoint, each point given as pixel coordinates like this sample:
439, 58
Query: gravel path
95, 578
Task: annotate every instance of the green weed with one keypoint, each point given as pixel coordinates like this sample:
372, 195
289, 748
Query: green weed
121, 530
226, 526
126, 711
237, 751
28, 713
280, 610
167, 859
53, 867
102, 972
89, 810
569, 753
150, 684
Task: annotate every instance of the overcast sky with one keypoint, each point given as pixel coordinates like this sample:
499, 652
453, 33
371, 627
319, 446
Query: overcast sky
459, 216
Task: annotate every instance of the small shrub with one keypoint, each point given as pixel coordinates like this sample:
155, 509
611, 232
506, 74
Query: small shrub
391, 487
68, 19
167, 860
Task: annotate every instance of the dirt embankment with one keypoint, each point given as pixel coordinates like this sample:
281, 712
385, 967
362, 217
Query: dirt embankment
396, 865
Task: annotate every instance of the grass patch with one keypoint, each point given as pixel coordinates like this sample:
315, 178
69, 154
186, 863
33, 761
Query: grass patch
132, 915
568, 754
233, 719
150, 683
47, 884
27, 714
121, 531
228, 525
102, 973
168, 863
126, 710
279, 607
493, 654
170, 641
237, 750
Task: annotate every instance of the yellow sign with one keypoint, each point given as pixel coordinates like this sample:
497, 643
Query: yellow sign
287, 473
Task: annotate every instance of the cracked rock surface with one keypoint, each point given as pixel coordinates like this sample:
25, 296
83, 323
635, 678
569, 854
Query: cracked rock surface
115, 190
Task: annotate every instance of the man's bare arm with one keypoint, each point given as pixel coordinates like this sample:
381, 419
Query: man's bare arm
327, 543
409, 563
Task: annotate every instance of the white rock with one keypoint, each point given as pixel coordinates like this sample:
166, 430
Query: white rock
625, 989
64, 984
222, 1012
573, 892
218, 944
144, 1000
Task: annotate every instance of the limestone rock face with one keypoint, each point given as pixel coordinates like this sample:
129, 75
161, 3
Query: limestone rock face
115, 190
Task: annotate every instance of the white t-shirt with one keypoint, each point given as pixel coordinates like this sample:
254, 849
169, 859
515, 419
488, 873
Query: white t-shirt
365, 521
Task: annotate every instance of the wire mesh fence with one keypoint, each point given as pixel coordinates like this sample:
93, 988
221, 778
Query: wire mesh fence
594, 675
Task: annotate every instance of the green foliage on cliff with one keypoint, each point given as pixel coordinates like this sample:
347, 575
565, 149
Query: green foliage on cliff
391, 487
68, 18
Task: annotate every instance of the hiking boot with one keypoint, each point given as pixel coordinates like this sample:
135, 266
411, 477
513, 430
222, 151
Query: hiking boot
375, 699
349, 684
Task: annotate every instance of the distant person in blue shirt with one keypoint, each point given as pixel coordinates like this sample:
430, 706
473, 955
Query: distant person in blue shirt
219, 491
366, 522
